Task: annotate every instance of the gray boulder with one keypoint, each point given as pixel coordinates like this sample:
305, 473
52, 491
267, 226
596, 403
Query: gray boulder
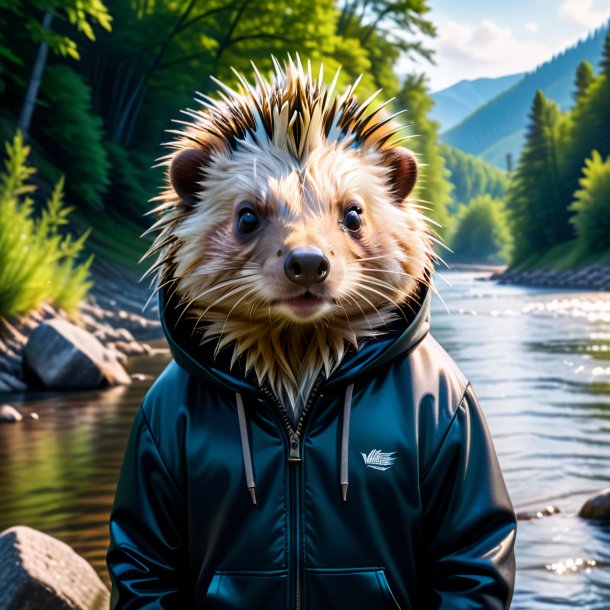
63, 356
38, 571
597, 506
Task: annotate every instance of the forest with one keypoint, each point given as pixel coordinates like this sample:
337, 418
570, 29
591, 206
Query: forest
89, 88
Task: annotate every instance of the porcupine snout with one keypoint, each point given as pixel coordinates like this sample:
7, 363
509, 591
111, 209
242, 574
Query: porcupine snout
306, 265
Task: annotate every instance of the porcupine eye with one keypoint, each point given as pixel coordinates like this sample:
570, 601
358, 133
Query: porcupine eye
352, 220
248, 220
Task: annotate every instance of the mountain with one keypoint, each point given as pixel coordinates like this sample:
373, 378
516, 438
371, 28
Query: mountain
498, 127
455, 103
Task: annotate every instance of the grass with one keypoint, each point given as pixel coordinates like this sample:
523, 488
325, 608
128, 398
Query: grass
39, 261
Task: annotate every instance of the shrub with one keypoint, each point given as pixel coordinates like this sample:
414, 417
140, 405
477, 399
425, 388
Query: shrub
37, 262
482, 234
592, 204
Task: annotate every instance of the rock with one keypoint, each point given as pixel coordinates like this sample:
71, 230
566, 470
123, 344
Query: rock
9, 414
597, 506
139, 376
62, 356
547, 511
131, 348
38, 571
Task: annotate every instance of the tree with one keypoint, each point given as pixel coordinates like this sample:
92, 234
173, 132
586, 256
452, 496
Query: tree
535, 202
482, 232
387, 30
471, 176
585, 75
592, 204
79, 13
587, 128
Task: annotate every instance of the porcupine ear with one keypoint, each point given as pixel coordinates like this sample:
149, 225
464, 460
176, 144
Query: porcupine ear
187, 171
403, 172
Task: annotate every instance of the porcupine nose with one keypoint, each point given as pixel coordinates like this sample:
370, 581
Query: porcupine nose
306, 266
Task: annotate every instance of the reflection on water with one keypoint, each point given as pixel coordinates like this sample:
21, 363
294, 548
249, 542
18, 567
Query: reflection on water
58, 474
539, 361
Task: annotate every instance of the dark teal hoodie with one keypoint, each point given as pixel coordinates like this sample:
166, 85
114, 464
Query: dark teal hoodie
387, 495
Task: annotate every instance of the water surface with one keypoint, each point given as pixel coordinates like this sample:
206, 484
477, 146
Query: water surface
539, 361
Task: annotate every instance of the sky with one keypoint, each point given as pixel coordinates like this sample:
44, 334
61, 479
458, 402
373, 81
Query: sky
493, 38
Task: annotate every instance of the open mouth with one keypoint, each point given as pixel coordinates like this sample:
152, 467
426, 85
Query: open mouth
304, 305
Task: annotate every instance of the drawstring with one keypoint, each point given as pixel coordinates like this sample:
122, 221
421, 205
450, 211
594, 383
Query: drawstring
245, 445
347, 408
245, 448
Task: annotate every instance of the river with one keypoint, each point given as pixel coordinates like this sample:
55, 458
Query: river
539, 361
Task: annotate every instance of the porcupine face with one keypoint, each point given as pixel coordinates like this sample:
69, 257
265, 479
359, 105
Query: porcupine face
287, 210
299, 242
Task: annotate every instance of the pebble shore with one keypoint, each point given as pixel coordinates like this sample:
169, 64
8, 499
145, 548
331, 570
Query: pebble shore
113, 313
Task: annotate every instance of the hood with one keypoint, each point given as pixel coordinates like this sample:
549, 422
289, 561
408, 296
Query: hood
198, 360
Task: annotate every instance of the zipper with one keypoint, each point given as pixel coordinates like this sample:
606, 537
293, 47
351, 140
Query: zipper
294, 460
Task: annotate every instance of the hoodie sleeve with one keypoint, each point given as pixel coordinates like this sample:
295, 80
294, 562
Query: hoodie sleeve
469, 520
147, 556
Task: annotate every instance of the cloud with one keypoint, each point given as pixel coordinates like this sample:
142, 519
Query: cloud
532, 26
583, 13
487, 43
465, 50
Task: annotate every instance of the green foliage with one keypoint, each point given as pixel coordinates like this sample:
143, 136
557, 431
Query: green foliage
472, 177
587, 128
539, 216
434, 187
73, 135
592, 204
81, 14
585, 75
37, 262
132, 182
482, 232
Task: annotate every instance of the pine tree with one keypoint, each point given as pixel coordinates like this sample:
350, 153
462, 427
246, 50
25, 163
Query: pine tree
587, 127
605, 61
585, 75
592, 204
540, 218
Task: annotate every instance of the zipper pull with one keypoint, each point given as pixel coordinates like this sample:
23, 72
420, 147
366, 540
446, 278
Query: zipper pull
295, 448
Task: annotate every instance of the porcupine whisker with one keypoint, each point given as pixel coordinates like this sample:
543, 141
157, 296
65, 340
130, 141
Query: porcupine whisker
359, 294
226, 284
223, 297
368, 287
355, 301
368, 258
382, 271
214, 288
222, 332
402, 293
340, 303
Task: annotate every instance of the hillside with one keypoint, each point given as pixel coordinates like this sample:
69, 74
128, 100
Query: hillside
455, 103
496, 129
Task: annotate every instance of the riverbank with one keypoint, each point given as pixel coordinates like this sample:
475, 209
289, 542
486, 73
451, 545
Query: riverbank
590, 277
113, 313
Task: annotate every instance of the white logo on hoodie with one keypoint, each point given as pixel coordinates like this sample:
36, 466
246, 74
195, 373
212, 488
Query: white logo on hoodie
378, 460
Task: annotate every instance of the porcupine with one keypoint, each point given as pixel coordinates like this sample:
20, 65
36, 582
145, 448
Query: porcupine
286, 230
306, 447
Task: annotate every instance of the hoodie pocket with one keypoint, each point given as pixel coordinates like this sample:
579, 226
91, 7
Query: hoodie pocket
348, 589
253, 590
